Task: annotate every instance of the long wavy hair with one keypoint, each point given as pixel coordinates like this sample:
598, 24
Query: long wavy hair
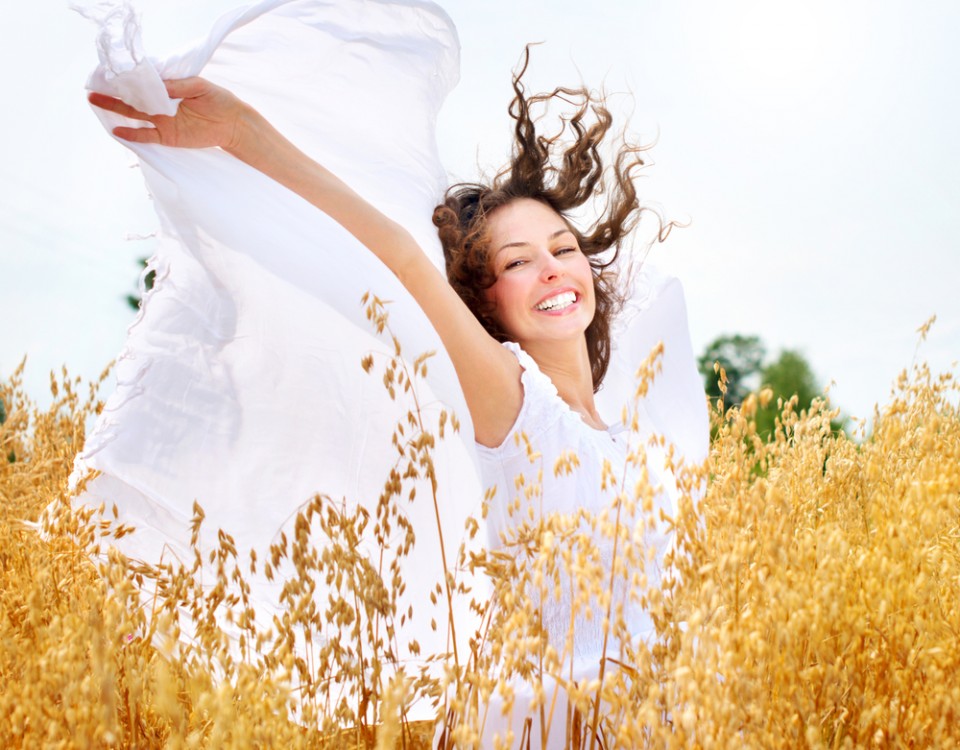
564, 170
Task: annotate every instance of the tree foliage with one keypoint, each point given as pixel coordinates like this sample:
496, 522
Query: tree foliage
134, 300
787, 376
742, 360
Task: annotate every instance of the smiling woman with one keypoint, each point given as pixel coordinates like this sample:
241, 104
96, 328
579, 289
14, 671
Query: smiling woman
256, 291
543, 297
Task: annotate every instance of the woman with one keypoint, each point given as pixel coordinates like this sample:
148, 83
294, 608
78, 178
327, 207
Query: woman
519, 272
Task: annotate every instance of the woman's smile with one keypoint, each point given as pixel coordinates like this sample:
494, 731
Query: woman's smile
558, 302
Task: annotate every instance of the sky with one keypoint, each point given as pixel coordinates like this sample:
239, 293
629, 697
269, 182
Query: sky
810, 147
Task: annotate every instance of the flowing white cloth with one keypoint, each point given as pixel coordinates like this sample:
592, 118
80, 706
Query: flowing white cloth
240, 384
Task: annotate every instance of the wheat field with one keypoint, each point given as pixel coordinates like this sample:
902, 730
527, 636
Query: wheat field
814, 601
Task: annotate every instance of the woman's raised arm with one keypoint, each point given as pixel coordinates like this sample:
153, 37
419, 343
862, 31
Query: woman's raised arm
210, 116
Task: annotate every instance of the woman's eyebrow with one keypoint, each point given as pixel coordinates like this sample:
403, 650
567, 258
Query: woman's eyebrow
523, 243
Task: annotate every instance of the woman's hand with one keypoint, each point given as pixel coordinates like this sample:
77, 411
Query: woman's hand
208, 116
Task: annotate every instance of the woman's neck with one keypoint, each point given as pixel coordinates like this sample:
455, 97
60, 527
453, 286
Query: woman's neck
568, 367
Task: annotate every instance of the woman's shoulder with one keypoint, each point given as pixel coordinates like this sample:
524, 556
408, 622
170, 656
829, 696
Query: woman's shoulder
540, 412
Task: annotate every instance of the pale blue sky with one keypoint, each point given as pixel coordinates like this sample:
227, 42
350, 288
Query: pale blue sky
812, 145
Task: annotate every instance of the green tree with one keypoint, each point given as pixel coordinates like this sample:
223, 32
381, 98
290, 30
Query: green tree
741, 358
787, 376
133, 299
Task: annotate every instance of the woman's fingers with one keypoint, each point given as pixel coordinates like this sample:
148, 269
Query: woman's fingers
134, 135
187, 88
112, 104
138, 135
207, 116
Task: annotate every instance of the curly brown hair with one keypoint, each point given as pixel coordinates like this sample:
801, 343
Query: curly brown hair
564, 174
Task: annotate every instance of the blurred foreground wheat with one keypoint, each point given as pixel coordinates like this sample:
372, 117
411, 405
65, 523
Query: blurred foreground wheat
814, 602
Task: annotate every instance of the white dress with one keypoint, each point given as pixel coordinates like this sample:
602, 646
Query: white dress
240, 385
545, 431
549, 427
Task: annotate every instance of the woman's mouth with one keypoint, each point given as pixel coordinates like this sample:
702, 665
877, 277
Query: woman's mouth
559, 301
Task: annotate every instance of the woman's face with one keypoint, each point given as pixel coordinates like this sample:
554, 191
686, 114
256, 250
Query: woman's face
544, 287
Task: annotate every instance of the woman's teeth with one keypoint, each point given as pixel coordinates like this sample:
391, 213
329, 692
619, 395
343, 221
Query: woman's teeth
558, 301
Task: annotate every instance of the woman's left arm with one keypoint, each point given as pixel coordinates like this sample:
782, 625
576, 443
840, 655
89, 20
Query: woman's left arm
209, 116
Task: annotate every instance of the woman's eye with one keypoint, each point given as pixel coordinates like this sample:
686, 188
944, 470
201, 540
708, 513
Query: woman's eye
564, 250
513, 264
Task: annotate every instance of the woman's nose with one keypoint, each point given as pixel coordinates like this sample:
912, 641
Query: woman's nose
551, 268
